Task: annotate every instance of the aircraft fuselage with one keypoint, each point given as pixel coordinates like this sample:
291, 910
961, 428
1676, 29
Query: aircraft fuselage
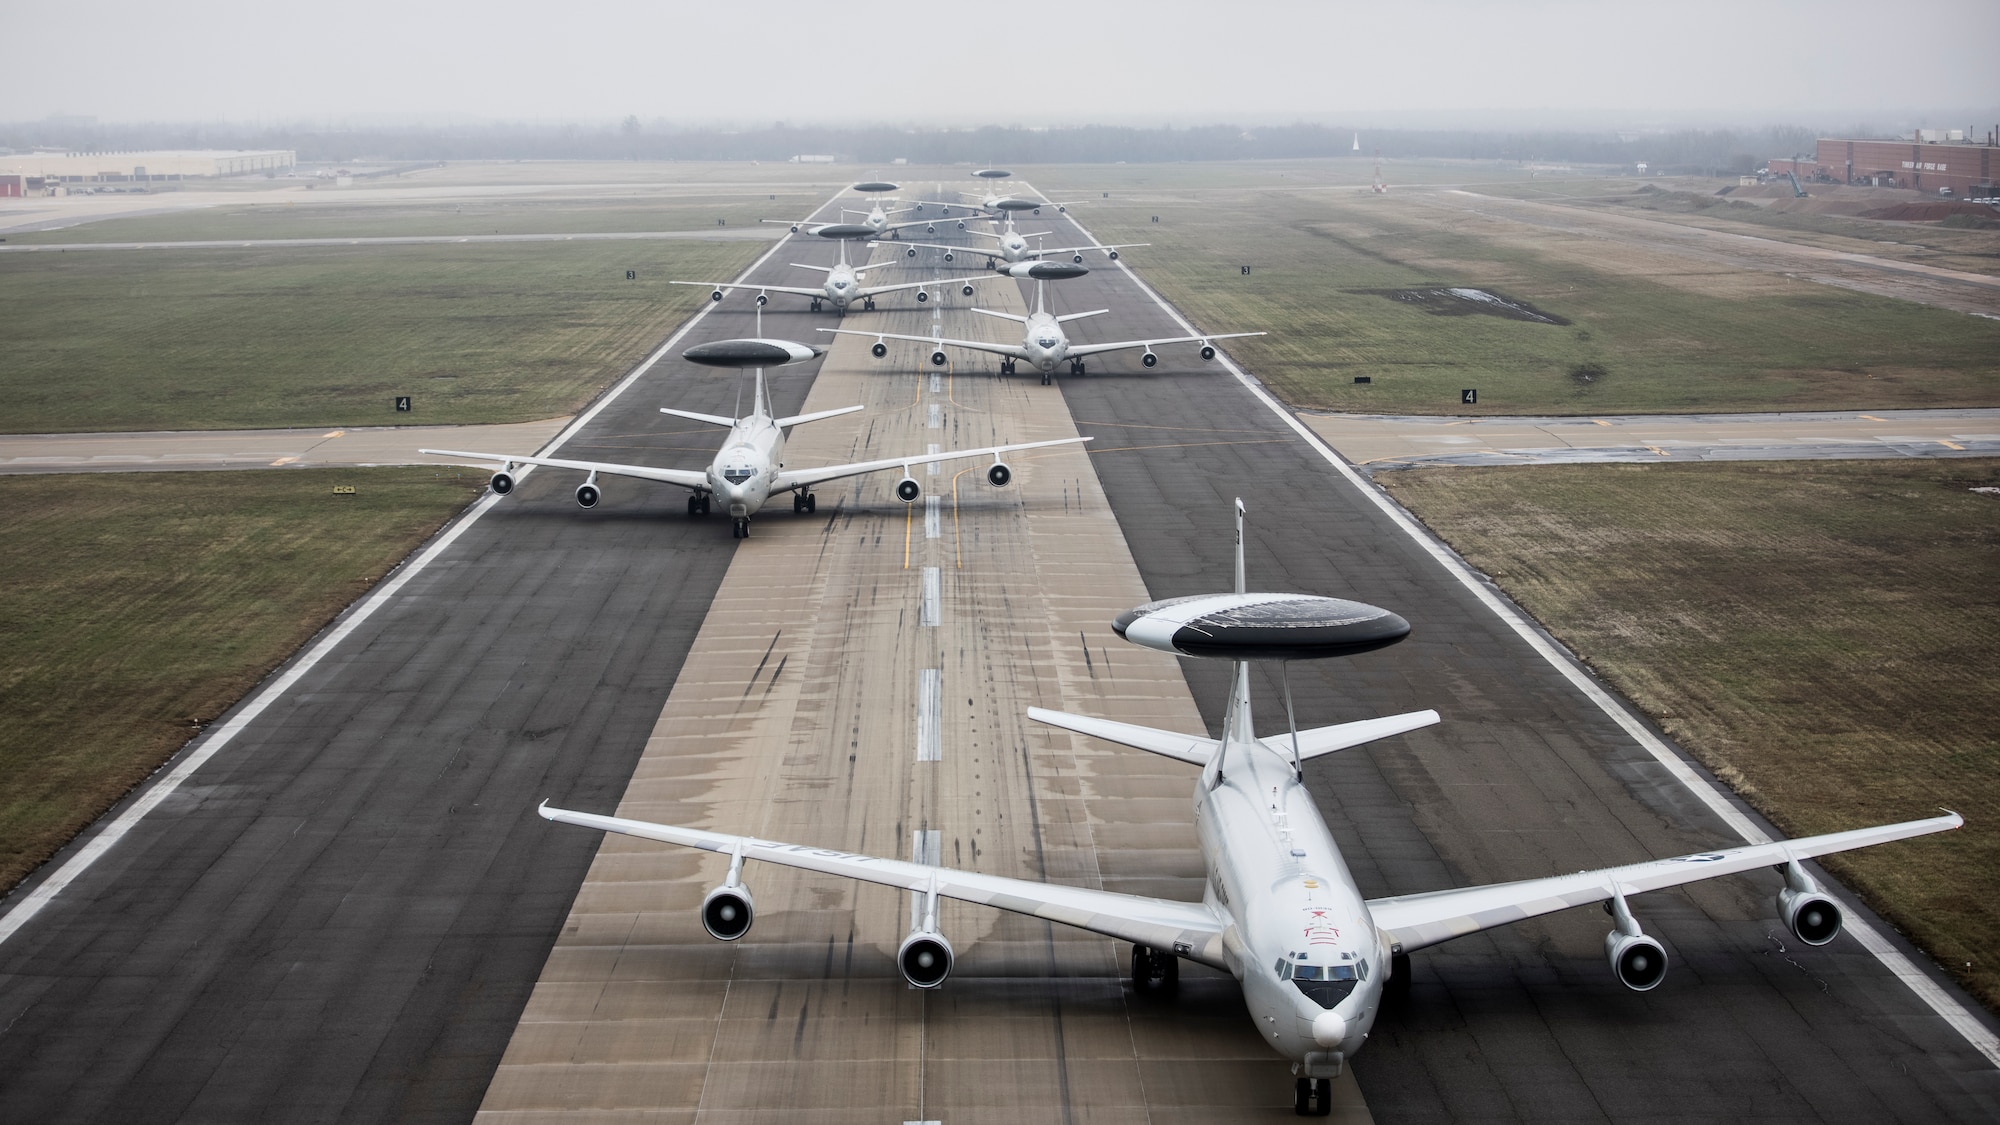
741, 474
1299, 937
1045, 342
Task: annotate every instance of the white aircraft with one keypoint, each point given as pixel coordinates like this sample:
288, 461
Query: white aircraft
1011, 246
1280, 910
843, 286
875, 219
1043, 342
749, 469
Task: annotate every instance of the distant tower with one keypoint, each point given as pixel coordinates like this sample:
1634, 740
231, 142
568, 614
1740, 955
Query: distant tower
1357, 142
1380, 187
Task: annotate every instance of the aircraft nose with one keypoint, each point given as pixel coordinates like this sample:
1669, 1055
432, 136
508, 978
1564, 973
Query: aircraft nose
1329, 1029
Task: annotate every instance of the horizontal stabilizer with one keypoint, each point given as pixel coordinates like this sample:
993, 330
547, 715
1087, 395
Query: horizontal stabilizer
1171, 744
801, 419
711, 419
1326, 740
1015, 317
1067, 317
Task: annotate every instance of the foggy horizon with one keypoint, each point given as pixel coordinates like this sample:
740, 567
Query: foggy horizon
1549, 64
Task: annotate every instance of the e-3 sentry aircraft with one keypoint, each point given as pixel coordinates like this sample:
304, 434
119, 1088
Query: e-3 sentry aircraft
749, 469
1280, 910
843, 286
875, 219
1044, 344
1011, 246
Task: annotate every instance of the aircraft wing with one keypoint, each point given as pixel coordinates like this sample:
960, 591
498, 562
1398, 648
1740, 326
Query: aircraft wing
1080, 350
1015, 351
974, 251
948, 283
686, 478
792, 478
1416, 921
726, 285
1187, 928
1085, 249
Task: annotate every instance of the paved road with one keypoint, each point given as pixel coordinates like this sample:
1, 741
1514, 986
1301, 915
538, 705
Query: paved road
176, 450
1376, 441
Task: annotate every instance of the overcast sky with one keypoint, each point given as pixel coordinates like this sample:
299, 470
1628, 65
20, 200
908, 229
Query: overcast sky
1825, 62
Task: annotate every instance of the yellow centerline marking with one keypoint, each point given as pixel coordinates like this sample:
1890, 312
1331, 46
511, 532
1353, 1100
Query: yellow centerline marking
1659, 451
1951, 445
1872, 418
957, 541
283, 461
335, 433
1600, 421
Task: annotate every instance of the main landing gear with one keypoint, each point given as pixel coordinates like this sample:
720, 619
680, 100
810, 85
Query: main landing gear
804, 503
815, 304
1154, 972
1315, 1097
1076, 367
743, 527
698, 504
868, 304
1006, 367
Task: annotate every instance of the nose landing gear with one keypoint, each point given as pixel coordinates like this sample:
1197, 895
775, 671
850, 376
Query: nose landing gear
1315, 1097
742, 527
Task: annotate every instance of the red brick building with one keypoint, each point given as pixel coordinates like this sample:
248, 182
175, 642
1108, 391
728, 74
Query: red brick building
1971, 169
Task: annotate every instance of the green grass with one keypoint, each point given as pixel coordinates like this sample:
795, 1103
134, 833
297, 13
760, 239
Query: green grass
1823, 635
1707, 339
137, 607
316, 218
220, 339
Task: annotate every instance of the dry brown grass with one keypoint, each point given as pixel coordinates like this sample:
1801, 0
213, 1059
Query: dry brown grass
1822, 635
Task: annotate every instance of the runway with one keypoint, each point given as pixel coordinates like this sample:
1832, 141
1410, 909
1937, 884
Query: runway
1377, 442
346, 913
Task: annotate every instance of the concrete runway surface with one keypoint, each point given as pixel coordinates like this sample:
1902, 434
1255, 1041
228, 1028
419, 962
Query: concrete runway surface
1377, 441
179, 450
344, 914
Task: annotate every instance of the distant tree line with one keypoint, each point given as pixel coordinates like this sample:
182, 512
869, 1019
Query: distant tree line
1687, 151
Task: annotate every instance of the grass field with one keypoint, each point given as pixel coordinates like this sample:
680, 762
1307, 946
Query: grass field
1658, 336
138, 607
1822, 635
220, 339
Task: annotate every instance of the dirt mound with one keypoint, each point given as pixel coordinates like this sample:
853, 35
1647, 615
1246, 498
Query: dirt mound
1929, 212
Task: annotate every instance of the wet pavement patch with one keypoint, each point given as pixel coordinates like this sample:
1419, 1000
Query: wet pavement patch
1461, 301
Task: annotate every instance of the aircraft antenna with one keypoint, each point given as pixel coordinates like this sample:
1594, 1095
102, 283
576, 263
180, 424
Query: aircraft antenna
1240, 586
1291, 719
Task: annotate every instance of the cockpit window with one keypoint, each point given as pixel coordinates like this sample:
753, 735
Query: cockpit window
1047, 341
1325, 985
737, 475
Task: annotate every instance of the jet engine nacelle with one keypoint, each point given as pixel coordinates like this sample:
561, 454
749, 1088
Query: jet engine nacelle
966, 290
502, 482
908, 490
961, 224
1112, 254
1208, 351
763, 299
795, 228
587, 495
938, 358
727, 912
923, 295
1639, 962
950, 257
878, 349
999, 475
1077, 258
910, 253
1149, 359
715, 295
925, 958
1812, 917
